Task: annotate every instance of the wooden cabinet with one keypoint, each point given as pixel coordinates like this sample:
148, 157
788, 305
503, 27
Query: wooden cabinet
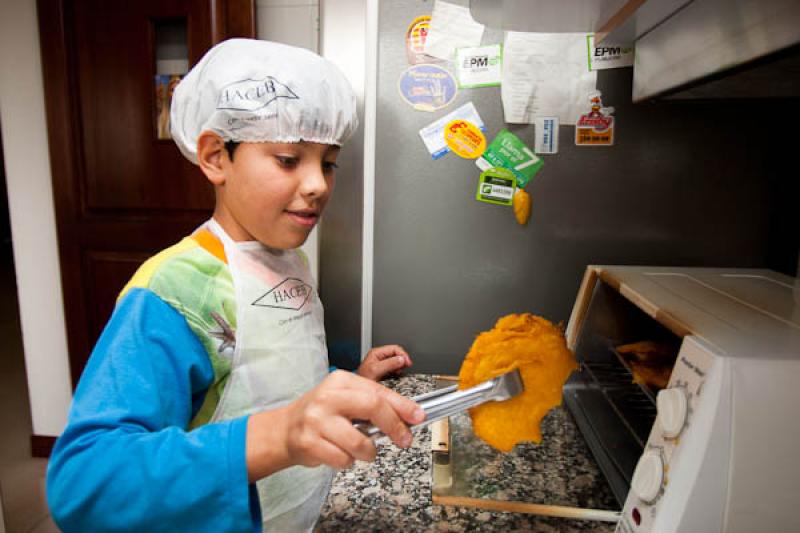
121, 193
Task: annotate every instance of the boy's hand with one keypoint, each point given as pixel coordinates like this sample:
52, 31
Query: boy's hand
383, 360
318, 429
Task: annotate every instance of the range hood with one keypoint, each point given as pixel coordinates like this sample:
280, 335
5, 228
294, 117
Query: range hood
684, 48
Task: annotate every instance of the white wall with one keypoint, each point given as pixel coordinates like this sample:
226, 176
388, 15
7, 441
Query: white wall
294, 22
33, 229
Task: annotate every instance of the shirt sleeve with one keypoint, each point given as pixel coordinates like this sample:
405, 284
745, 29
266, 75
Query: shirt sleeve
125, 462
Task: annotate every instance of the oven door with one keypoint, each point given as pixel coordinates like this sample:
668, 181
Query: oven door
613, 396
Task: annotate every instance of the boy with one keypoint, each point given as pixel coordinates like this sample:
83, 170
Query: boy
211, 374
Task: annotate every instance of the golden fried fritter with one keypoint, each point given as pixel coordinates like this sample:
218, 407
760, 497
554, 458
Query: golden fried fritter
538, 349
649, 352
652, 376
650, 362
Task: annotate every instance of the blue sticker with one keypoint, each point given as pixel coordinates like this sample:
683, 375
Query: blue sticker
427, 87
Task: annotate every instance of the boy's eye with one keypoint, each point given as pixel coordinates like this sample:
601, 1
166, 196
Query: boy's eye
329, 166
286, 161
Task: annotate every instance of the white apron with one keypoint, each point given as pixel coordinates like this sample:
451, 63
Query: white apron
280, 354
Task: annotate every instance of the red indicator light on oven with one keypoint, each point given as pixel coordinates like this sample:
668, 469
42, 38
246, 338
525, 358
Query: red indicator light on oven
637, 517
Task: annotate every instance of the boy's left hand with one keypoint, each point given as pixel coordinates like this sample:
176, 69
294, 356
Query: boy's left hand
383, 360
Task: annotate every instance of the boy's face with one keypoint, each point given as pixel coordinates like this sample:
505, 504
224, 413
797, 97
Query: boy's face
275, 193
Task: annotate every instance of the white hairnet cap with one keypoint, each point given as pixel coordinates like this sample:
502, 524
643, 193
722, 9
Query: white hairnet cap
249, 90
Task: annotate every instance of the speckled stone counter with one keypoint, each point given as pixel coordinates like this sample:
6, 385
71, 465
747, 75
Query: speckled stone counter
394, 493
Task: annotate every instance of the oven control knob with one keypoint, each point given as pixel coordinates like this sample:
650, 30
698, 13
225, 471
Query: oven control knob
648, 476
672, 409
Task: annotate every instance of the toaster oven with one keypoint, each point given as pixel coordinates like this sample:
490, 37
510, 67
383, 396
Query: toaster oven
688, 395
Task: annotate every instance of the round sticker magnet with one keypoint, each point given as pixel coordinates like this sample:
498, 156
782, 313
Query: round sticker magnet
464, 138
427, 87
416, 34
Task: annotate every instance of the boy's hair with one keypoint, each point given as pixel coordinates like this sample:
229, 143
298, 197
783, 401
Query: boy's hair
230, 147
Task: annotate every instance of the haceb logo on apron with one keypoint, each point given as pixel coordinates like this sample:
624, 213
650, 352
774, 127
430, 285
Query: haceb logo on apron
291, 294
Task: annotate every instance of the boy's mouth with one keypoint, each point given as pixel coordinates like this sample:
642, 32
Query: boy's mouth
304, 217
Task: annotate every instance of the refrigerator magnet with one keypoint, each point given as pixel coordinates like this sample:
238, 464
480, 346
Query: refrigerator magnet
479, 66
427, 87
464, 138
545, 135
508, 151
595, 128
496, 186
608, 55
416, 34
433, 134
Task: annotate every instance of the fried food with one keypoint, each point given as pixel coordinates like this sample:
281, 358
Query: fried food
648, 352
650, 362
539, 350
652, 376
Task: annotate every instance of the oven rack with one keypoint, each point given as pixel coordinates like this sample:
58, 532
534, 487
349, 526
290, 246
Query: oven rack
635, 408
645, 389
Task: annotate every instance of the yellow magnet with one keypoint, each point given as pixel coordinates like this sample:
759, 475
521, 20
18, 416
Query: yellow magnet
464, 138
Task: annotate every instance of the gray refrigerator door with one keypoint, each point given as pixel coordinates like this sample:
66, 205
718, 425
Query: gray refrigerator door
684, 185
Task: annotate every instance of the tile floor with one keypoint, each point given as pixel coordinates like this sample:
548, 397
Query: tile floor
24, 508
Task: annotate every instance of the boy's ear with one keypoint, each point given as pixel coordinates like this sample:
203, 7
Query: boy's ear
211, 156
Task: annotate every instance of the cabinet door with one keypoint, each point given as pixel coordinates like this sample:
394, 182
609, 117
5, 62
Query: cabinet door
121, 192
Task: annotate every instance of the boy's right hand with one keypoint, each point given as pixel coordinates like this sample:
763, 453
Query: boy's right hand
317, 428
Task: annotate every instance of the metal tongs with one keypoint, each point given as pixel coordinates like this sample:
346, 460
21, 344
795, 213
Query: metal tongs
449, 401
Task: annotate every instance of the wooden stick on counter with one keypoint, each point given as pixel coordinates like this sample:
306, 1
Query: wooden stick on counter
531, 508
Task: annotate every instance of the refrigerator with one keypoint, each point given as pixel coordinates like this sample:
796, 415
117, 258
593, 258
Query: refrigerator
408, 256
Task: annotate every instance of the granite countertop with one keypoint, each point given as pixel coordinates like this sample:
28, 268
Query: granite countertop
394, 492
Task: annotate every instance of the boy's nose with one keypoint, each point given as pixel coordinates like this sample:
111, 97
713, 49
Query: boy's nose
314, 184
